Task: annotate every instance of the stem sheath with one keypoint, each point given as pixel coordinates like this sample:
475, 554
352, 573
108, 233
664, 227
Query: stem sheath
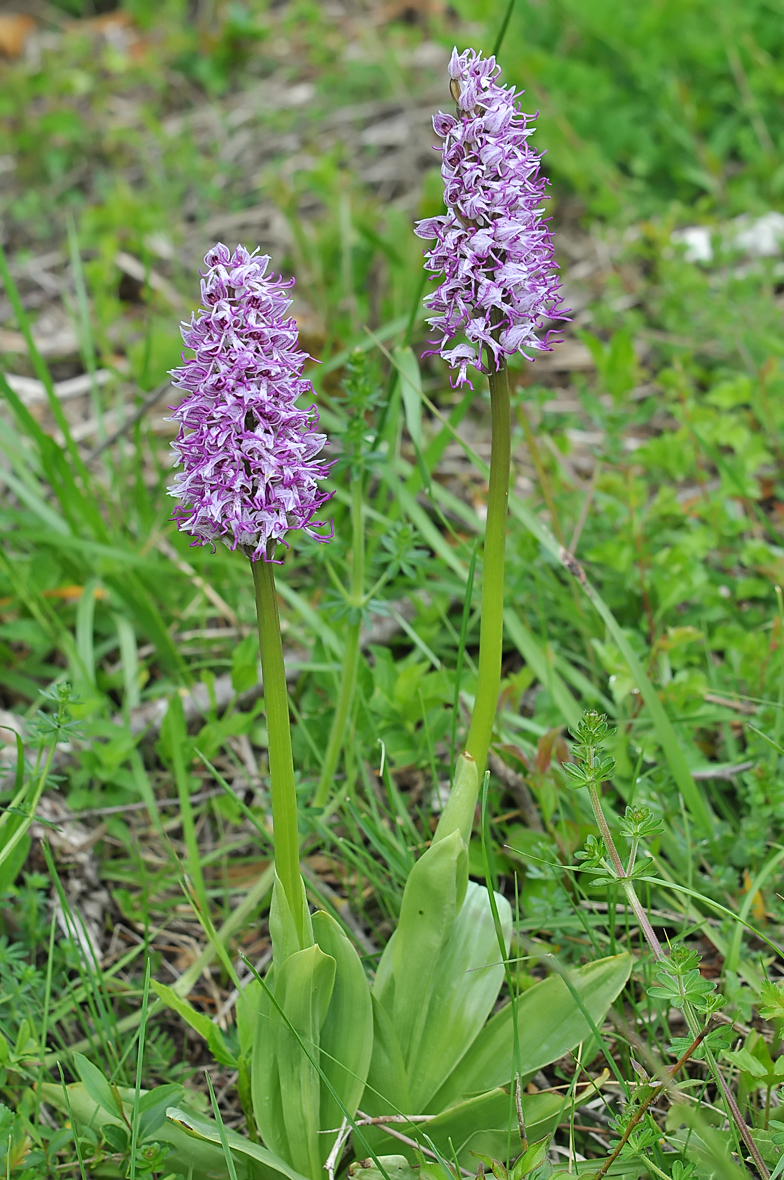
491, 630
281, 764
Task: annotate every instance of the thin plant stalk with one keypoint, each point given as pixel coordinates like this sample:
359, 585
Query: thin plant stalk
623, 875
654, 1090
139, 1067
348, 671
491, 630
281, 765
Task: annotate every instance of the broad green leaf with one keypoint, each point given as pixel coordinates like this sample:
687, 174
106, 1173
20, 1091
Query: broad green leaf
408, 968
117, 1137
97, 1086
708, 1147
192, 1157
248, 1004
482, 1124
153, 1106
197, 1021
386, 1091
468, 976
550, 1024
347, 1031
197, 1127
396, 1167
285, 1083
530, 1160
479, 1125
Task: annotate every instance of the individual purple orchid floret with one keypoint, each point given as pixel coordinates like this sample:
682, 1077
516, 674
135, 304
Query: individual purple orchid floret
493, 247
249, 455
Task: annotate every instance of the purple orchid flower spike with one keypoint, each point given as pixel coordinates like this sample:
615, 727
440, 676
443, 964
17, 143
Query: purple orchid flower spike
493, 247
250, 457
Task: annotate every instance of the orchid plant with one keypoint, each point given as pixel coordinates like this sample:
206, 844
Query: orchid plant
413, 1065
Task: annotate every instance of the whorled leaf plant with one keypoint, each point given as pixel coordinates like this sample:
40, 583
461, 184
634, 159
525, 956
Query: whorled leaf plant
418, 1055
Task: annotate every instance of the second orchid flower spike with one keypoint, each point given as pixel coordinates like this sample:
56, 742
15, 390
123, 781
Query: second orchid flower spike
493, 246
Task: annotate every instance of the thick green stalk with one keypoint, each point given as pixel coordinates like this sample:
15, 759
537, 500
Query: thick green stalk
491, 630
281, 764
348, 671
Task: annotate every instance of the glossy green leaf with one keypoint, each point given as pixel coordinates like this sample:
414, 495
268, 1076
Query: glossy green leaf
153, 1106
97, 1086
530, 1160
198, 1021
283, 928
198, 1128
407, 973
347, 1031
396, 1167
481, 1125
386, 1091
468, 977
550, 1024
285, 1083
192, 1157
248, 1003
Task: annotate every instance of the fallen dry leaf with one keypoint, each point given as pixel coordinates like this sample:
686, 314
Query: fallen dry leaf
15, 28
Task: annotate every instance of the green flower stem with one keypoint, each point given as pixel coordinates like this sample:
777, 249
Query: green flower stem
281, 764
348, 671
491, 630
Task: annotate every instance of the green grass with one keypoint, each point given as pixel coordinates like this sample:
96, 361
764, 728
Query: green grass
659, 462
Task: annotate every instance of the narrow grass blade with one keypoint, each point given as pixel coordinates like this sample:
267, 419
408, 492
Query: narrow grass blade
733, 954
77, 1144
139, 1067
42, 369
232, 1168
528, 646
673, 751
